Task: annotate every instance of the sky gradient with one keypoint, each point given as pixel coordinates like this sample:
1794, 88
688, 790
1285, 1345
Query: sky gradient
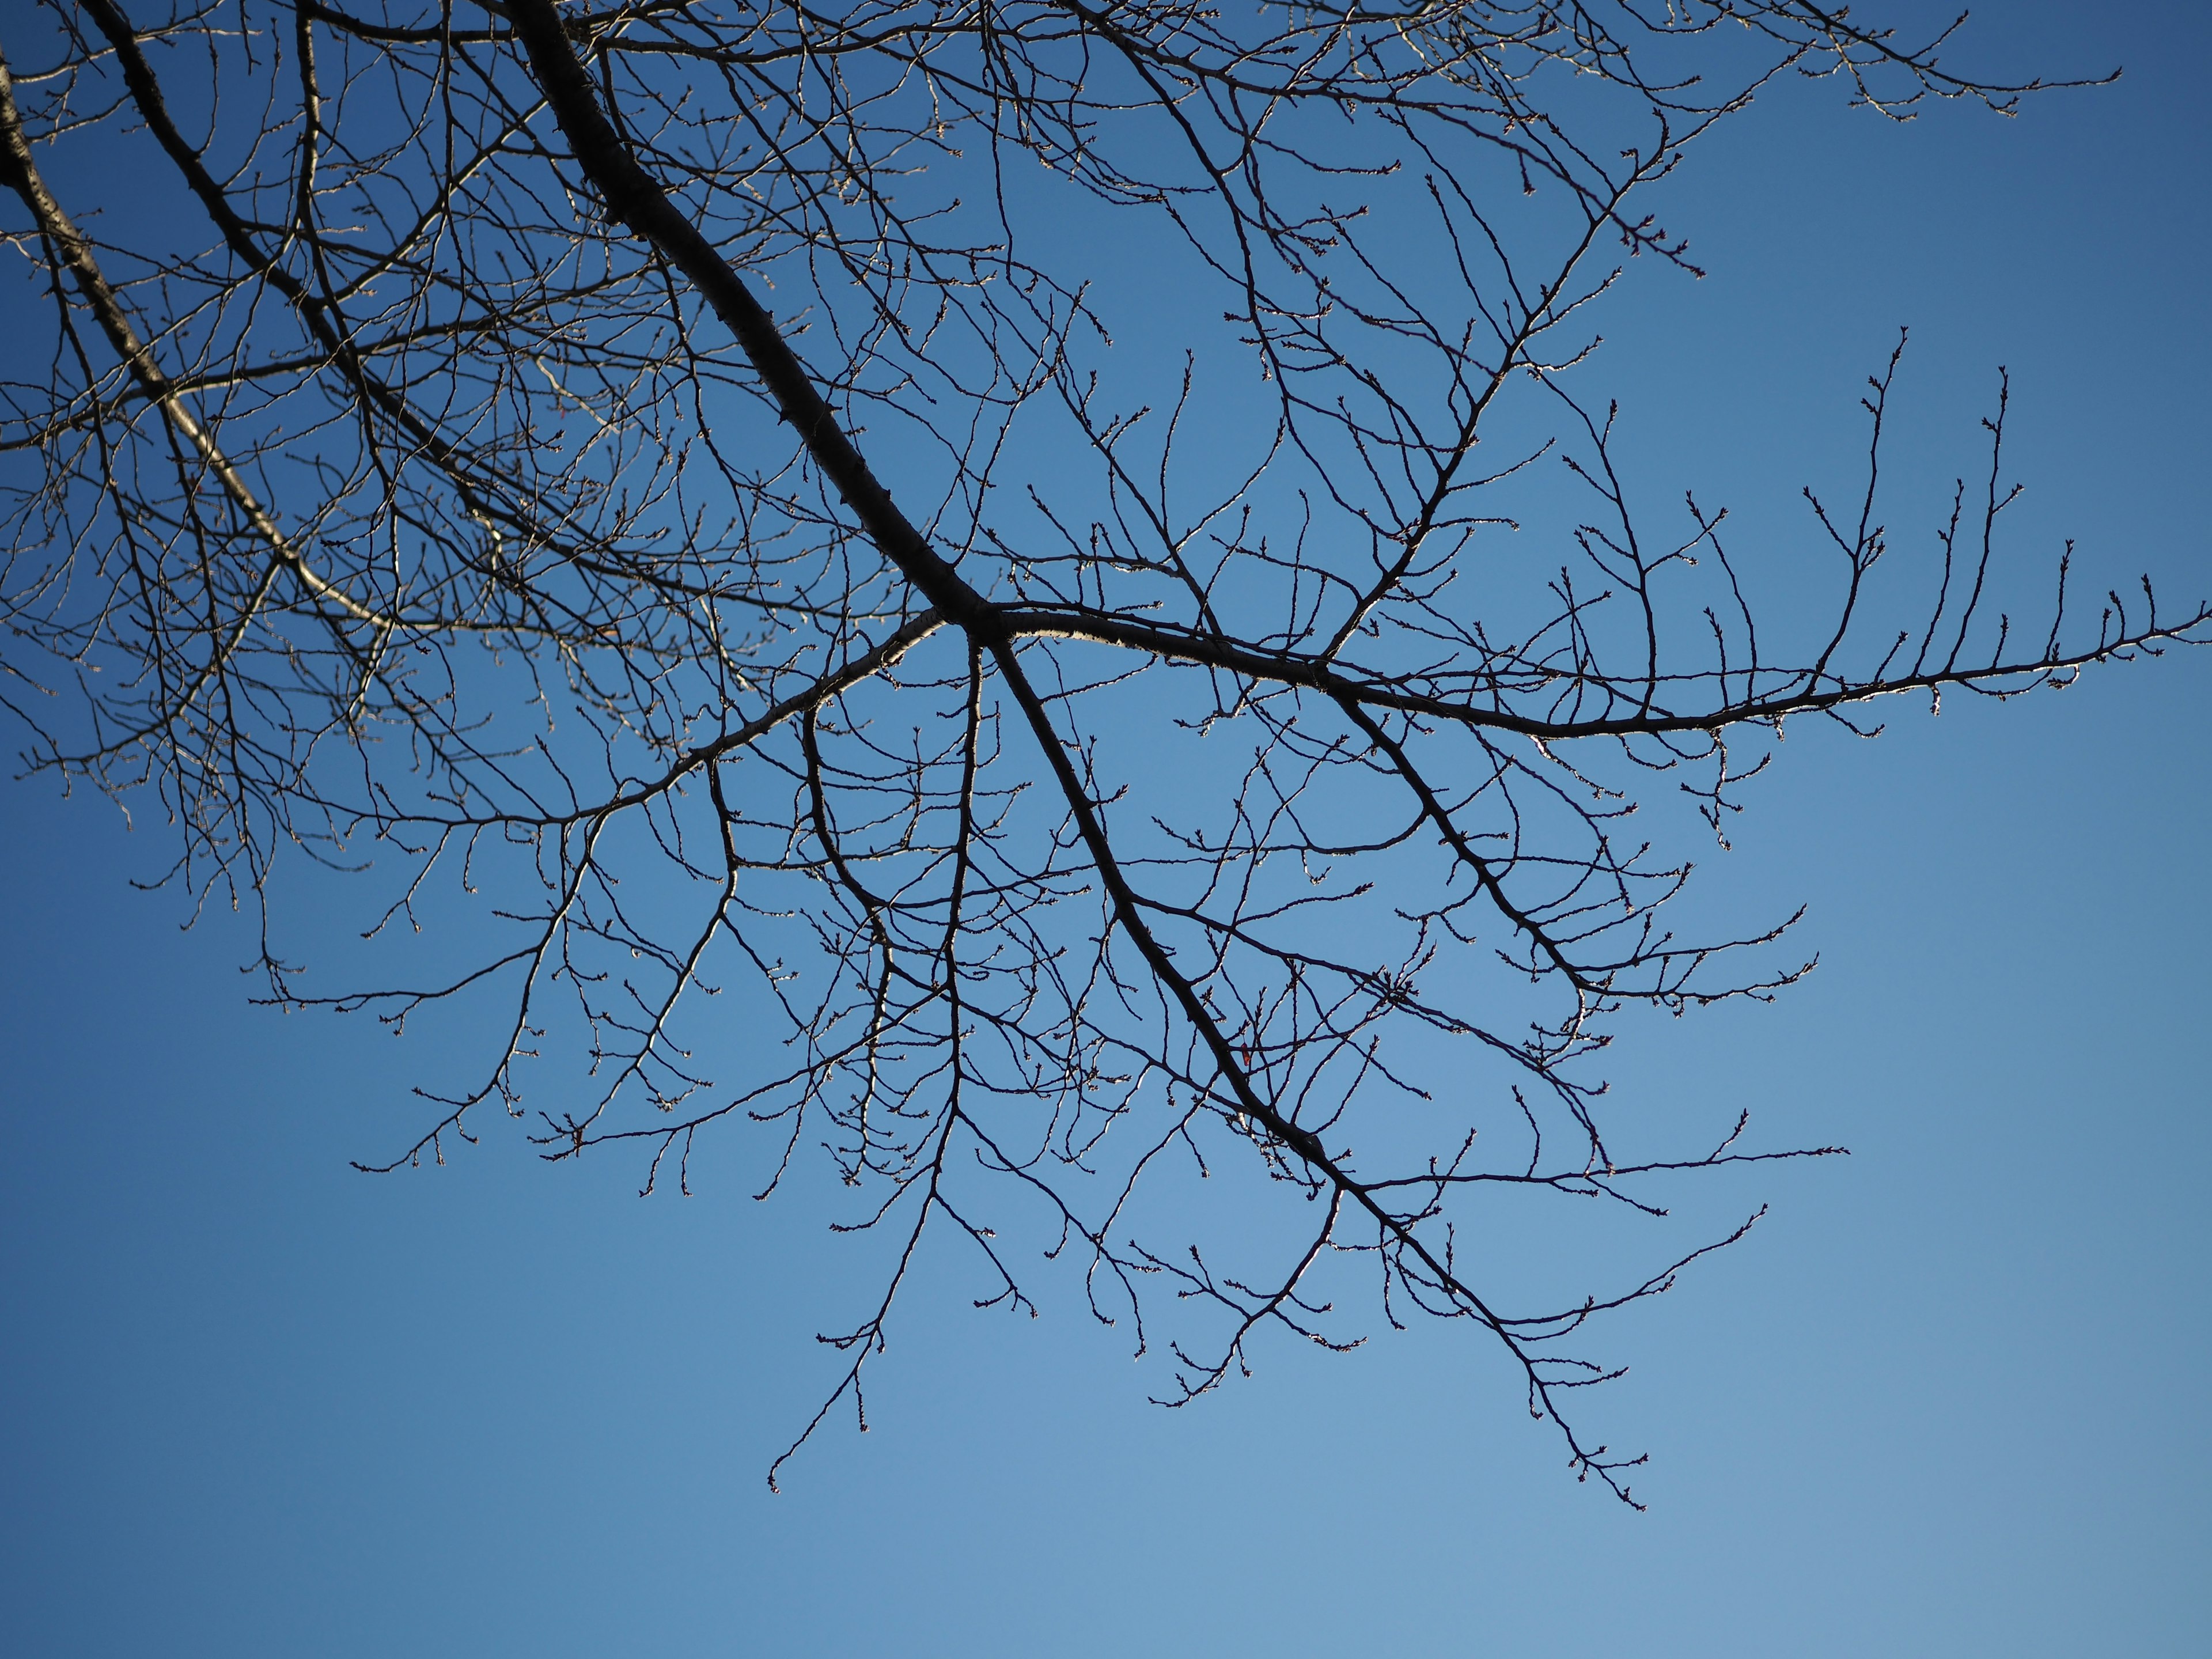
1949, 1399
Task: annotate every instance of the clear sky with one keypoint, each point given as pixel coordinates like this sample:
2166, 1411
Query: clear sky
1949, 1399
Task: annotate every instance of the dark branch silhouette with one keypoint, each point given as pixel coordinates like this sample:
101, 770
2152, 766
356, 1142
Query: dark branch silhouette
653, 491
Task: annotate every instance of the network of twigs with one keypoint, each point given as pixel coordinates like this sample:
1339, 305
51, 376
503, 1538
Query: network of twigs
658, 484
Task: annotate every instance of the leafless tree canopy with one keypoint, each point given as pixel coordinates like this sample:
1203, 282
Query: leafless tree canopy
921, 577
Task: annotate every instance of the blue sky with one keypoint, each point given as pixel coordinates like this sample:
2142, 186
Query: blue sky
1948, 1400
